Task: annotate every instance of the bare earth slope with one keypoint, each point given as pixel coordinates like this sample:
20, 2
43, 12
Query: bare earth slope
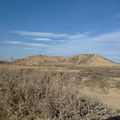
40, 59
90, 59
82, 59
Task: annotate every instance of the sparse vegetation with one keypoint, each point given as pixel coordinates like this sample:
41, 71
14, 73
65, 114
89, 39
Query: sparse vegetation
31, 94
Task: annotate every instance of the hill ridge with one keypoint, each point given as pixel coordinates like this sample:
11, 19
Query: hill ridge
90, 59
81, 59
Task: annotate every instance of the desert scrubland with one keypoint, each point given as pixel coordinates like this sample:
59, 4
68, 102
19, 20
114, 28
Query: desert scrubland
84, 87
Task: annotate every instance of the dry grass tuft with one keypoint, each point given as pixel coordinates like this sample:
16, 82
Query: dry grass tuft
28, 94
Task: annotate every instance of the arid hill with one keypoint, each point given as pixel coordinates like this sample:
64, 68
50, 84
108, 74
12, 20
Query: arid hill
41, 59
90, 59
82, 59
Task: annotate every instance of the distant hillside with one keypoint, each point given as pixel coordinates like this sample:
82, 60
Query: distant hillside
82, 59
90, 59
41, 59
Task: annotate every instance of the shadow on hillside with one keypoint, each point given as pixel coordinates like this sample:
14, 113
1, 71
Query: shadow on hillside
114, 118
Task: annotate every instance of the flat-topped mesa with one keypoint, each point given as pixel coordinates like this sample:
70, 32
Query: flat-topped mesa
90, 59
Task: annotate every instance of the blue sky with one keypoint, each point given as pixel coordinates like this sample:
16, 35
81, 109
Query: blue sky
59, 27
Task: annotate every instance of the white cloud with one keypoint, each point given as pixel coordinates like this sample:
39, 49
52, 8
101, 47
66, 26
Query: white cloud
105, 44
43, 39
51, 35
61, 41
27, 44
77, 36
101, 44
36, 49
77, 43
13, 42
40, 34
114, 36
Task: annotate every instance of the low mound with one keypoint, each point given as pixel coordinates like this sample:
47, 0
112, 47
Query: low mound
83, 59
41, 59
90, 59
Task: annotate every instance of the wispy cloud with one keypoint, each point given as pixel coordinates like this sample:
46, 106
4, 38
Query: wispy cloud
36, 45
61, 41
77, 36
13, 42
36, 49
43, 39
47, 36
40, 34
102, 44
75, 43
114, 36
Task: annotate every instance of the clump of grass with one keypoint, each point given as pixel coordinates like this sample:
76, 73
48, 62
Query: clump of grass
27, 94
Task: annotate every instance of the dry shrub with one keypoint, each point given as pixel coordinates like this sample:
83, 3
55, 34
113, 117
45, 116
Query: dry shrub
35, 95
